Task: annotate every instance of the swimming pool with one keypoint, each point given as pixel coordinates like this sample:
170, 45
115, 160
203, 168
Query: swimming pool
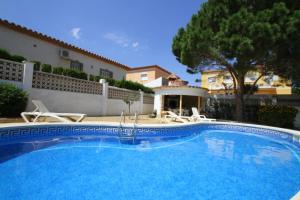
198, 161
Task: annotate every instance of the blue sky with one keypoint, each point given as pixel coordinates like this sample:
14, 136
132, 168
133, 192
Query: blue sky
132, 32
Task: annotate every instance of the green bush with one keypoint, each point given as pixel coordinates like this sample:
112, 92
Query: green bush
13, 100
97, 78
83, 75
75, 74
37, 65
46, 68
275, 115
110, 81
17, 58
92, 77
58, 70
4, 54
132, 86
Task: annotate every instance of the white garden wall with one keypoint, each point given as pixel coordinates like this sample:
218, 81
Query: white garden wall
148, 108
69, 95
69, 102
116, 106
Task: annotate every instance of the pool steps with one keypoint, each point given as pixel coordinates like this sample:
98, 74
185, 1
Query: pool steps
127, 135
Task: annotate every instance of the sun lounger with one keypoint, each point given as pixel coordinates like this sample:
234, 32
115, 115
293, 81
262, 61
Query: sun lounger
42, 111
197, 117
175, 117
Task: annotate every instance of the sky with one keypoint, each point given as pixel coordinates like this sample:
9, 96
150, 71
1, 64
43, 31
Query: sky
132, 32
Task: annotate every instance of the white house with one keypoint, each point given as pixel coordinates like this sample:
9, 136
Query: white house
36, 46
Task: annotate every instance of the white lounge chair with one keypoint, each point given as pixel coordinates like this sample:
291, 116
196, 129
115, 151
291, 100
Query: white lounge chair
42, 111
197, 117
175, 117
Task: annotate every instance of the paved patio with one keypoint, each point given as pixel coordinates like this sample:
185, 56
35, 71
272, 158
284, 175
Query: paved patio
142, 119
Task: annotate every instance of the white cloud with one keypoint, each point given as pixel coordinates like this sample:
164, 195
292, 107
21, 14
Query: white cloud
122, 40
135, 44
118, 39
76, 33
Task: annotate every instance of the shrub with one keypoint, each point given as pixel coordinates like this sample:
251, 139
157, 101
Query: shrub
83, 75
4, 54
75, 74
132, 86
97, 78
17, 58
275, 115
58, 70
37, 65
110, 81
70, 73
46, 68
13, 100
92, 77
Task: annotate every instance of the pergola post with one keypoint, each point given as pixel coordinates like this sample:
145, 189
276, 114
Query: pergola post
199, 103
180, 105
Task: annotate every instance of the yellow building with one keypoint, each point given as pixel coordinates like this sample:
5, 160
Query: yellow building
220, 82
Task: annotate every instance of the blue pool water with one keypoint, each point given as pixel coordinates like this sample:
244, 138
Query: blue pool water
211, 164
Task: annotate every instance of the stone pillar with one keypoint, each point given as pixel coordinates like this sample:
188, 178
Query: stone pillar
141, 102
158, 104
104, 103
27, 75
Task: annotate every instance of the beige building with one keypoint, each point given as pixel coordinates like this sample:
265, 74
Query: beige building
146, 74
35, 46
220, 82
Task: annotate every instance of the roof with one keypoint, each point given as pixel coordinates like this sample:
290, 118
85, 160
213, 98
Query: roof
55, 41
183, 86
149, 67
173, 76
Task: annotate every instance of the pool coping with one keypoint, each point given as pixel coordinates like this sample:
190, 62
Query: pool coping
130, 125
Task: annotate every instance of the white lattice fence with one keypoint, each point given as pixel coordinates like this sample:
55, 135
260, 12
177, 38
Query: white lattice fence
119, 93
148, 99
12, 71
49, 81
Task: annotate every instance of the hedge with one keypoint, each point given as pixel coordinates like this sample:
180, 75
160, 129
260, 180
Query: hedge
13, 100
46, 68
17, 58
6, 55
276, 115
122, 84
58, 70
37, 65
75, 74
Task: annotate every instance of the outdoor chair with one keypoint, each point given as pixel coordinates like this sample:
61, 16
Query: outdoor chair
42, 111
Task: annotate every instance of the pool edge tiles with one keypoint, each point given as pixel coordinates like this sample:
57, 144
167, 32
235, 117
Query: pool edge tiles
21, 132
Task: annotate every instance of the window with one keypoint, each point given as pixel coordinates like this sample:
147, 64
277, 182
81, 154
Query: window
76, 65
105, 73
227, 79
251, 76
144, 77
211, 79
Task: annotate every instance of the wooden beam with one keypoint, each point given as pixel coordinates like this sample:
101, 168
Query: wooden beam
199, 103
180, 106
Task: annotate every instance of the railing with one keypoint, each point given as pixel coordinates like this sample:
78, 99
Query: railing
127, 135
120, 93
49, 81
148, 99
10, 70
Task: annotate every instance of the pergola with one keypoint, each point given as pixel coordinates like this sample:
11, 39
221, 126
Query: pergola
180, 98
